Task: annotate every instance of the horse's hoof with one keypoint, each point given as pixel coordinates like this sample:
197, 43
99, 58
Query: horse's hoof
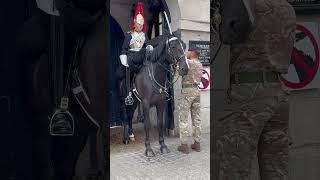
125, 141
149, 153
164, 149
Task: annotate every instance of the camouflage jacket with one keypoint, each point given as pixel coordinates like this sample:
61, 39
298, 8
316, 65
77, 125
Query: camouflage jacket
193, 78
269, 44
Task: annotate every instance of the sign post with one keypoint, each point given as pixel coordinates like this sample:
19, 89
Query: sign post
303, 70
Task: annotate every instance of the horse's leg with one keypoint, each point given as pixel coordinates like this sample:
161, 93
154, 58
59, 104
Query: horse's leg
94, 169
146, 108
41, 149
66, 151
160, 110
103, 153
140, 114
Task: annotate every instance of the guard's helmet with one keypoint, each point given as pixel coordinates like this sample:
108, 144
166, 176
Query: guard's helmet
139, 16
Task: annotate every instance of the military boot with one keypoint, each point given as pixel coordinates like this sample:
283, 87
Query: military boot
183, 148
196, 146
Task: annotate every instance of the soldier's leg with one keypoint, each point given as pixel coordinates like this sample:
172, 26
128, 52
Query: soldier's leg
183, 113
132, 108
274, 146
196, 121
236, 135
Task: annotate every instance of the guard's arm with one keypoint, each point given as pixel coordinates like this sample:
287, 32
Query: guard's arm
124, 50
126, 42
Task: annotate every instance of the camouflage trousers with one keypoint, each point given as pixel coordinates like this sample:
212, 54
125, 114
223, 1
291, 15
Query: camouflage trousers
253, 122
189, 102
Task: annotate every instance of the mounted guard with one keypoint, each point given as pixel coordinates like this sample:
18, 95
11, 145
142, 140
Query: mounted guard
134, 41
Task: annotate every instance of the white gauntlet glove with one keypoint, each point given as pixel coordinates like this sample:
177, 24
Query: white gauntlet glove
123, 59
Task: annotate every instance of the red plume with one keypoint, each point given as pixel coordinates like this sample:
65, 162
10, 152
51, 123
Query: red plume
139, 9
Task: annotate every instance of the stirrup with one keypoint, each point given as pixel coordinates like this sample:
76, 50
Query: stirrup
61, 123
129, 100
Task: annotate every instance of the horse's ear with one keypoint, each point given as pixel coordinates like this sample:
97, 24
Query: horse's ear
177, 34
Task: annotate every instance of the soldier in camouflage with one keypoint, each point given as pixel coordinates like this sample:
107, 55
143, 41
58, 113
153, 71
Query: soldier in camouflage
190, 101
254, 120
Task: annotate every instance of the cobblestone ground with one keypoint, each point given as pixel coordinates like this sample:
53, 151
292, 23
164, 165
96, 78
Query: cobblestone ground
127, 162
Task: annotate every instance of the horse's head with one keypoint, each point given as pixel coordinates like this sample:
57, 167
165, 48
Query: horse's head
176, 54
236, 20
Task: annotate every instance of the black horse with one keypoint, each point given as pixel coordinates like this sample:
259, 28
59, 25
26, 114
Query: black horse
56, 157
151, 86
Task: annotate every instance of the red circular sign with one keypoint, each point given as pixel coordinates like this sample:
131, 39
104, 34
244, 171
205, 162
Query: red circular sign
296, 58
205, 80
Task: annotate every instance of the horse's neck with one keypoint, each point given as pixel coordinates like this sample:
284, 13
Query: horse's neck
157, 65
158, 71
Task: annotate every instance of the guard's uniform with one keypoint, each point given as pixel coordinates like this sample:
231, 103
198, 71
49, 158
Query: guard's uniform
190, 102
133, 52
133, 43
255, 116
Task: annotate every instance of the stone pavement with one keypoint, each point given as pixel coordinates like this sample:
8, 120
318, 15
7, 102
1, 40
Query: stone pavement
127, 162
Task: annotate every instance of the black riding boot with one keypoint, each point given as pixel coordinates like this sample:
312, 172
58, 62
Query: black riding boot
129, 98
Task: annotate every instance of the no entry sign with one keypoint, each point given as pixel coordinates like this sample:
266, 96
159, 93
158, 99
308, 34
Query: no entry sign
303, 70
205, 80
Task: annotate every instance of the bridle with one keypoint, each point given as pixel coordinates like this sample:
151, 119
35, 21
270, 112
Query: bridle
168, 83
